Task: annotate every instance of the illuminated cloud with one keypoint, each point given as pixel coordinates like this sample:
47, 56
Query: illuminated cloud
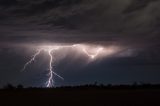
110, 31
93, 52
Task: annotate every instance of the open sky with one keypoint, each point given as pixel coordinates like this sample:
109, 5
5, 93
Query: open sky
131, 26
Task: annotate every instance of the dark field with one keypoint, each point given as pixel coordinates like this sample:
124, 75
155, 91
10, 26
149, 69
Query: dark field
80, 97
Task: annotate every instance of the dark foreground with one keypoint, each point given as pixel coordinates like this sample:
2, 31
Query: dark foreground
80, 97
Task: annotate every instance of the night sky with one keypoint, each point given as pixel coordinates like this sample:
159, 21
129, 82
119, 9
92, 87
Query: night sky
132, 26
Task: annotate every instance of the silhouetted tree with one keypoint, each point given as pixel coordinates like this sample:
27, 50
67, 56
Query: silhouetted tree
95, 83
135, 84
9, 86
109, 85
20, 86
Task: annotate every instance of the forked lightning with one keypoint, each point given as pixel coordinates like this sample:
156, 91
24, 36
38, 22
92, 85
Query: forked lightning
51, 49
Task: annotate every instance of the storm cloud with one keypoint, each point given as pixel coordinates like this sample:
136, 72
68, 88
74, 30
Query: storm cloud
131, 24
80, 20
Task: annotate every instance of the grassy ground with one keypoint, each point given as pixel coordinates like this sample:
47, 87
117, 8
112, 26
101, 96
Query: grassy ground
80, 97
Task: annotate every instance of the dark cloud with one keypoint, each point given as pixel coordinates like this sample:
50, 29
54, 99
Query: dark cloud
132, 24
121, 21
137, 5
7, 3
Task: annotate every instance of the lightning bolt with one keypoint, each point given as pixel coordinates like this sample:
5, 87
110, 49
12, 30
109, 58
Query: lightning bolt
92, 56
31, 60
50, 49
50, 81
